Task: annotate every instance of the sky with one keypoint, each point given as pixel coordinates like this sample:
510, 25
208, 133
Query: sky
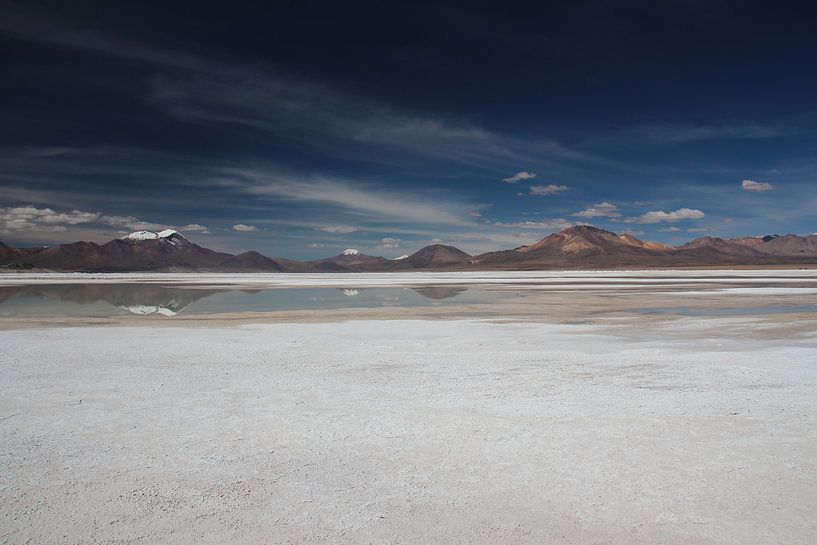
300, 129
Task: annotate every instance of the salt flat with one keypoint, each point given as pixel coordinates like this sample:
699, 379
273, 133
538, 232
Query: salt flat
693, 430
587, 279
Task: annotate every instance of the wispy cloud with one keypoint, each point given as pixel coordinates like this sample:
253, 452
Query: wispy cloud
558, 223
679, 134
757, 187
600, 210
259, 97
374, 201
338, 229
550, 189
519, 177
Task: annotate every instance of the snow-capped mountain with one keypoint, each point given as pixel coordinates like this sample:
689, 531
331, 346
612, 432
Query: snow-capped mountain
350, 259
166, 250
574, 248
167, 235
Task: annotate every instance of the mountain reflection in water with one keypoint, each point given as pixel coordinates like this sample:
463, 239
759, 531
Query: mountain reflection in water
166, 301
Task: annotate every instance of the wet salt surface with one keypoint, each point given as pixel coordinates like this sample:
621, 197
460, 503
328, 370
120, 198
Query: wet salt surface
499, 293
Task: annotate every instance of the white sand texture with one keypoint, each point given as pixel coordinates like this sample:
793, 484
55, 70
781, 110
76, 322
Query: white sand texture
696, 431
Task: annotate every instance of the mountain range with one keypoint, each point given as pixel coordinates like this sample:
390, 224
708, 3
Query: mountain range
580, 247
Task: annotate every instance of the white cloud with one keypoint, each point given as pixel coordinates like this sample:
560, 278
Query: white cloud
388, 242
47, 220
193, 228
30, 218
670, 229
757, 187
659, 216
600, 210
316, 245
519, 176
338, 229
550, 189
242, 228
558, 223
131, 222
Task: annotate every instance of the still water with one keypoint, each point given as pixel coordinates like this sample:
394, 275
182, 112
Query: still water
97, 300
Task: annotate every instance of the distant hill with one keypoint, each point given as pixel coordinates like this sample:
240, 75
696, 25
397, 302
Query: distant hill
584, 247
786, 245
431, 257
250, 261
579, 247
140, 251
576, 247
351, 260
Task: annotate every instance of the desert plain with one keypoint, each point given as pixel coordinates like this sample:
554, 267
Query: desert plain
654, 407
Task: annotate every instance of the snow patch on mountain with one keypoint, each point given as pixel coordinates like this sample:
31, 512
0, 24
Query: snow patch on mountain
350, 251
150, 235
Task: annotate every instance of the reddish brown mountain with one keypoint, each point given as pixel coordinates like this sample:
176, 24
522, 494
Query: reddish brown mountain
719, 245
786, 245
584, 247
581, 247
585, 239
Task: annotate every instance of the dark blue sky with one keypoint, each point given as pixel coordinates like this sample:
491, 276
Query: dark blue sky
300, 129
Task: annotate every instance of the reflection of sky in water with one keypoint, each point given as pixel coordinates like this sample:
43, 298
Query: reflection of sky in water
141, 299
102, 300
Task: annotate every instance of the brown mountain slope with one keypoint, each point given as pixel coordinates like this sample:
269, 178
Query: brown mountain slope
173, 252
586, 247
722, 246
351, 260
581, 247
584, 239
786, 245
577, 247
250, 261
8, 254
431, 257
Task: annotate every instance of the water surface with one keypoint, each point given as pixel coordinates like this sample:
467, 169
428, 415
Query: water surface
100, 300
